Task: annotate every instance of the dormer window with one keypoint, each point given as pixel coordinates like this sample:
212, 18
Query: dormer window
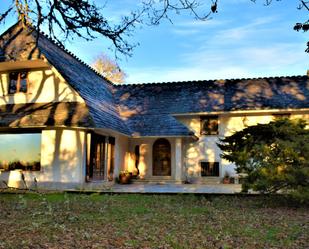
18, 82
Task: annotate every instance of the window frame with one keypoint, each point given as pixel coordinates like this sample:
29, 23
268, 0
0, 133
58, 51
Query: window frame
105, 159
215, 168
210, 118
18, 82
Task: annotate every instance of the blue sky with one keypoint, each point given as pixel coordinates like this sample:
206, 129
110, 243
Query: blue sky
16, 147
242, 40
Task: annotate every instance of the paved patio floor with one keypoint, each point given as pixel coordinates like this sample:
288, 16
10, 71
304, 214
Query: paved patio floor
175, 188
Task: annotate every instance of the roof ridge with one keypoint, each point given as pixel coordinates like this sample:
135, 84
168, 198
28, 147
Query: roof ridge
59, 45
206, 81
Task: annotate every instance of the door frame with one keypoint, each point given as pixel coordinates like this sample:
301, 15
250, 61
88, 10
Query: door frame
96, 157
168, 159
107, 158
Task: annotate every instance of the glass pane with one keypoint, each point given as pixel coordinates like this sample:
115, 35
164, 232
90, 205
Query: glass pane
23, 82
209, 169
209, 126
96, 171
20, 151
13, 83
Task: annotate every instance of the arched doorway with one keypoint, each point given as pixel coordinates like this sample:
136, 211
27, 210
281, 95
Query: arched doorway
161, 158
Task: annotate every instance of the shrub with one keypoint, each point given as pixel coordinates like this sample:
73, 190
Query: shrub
274, 156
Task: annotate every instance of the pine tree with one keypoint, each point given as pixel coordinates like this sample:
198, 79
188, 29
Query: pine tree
274, 156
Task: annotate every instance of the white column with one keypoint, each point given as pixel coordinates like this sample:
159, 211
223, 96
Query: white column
178, 159
118, 162
106, 159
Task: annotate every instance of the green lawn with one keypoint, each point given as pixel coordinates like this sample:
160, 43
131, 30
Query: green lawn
150, 221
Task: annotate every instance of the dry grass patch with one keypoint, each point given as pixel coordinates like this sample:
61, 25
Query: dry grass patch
150, 221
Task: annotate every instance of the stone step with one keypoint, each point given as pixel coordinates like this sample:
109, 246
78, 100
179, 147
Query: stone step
205, 180
195, 180
155, 181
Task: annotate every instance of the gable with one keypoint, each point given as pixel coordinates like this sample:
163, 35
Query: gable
44, 85
92, 88
19, 44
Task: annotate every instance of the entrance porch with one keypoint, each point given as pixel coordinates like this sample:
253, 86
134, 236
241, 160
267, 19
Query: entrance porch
156, 160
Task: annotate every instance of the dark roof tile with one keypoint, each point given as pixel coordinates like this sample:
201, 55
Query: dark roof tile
166, 99
147, 109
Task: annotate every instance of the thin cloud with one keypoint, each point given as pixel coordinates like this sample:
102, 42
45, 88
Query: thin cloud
201, 24
185, 32
246, 62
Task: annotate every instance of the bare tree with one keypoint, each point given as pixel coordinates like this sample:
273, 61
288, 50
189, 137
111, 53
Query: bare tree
304, 26
299, 26
109, 69
83, 18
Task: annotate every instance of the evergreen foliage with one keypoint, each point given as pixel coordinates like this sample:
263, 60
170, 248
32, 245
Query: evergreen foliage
274, 156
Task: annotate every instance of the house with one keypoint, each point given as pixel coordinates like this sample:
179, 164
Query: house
62, 125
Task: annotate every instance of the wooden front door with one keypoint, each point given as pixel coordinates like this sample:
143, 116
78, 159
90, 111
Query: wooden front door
97, 158
161, 156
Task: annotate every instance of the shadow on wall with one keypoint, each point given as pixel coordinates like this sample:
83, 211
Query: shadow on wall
143, 161
18, 45
203, 150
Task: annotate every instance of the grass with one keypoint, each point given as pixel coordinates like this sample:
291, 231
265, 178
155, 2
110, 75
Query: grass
150, 221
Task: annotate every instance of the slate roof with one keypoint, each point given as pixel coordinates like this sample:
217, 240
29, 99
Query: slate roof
149, 108
94, 89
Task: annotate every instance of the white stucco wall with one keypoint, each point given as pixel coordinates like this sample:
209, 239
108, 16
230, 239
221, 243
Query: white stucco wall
62, 150
145, 163
45, 85
205, 148
62, 161
121, 153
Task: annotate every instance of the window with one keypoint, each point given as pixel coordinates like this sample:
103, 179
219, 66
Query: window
18, 82
209, 125
20, 151
209, 169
